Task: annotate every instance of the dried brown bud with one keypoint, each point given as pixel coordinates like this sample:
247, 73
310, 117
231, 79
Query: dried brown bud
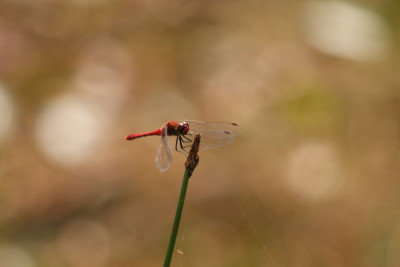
193, 158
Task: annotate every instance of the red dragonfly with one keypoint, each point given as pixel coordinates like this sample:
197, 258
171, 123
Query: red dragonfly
213, 134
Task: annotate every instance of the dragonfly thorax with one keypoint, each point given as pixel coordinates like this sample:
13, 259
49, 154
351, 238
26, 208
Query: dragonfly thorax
173, 128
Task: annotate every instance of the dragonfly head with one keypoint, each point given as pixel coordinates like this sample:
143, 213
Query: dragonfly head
183, 128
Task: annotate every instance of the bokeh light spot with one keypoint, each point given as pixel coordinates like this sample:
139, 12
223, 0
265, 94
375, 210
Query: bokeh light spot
345, 30
6, 113
313, 171
13, 256
67, 130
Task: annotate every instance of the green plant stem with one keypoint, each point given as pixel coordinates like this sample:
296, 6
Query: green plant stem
191, 162
177, 219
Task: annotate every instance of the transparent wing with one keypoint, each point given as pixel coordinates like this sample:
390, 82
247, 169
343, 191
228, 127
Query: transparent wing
214, 134
163, 156
200, 126
214, 139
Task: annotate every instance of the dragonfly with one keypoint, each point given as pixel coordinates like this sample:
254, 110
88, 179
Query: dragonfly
213, 135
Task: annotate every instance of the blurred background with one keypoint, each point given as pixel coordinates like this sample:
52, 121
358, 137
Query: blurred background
312, 181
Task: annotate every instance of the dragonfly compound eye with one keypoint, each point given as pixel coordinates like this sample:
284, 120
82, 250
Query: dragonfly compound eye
183, 128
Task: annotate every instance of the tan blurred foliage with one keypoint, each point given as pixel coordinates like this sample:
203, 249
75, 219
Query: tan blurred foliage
313, 84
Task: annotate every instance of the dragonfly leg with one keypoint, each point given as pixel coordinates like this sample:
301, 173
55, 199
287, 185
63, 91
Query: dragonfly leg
182, 142
181, 147
187, 139
176, 143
